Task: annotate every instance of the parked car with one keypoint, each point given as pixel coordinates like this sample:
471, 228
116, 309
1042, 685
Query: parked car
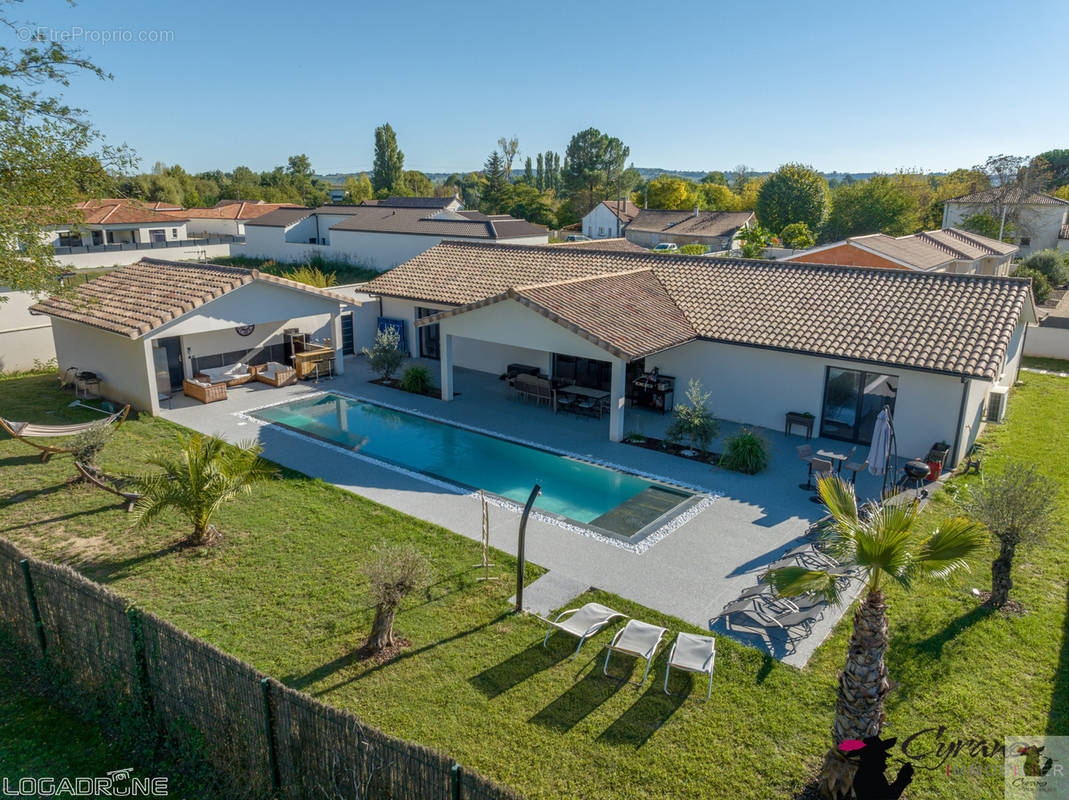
666, 247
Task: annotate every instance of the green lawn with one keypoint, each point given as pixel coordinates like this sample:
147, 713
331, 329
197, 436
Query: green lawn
285, 592
1049, 364
344, 273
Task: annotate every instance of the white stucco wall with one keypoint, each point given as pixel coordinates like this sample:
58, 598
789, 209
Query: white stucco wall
25, 339
1047, 342
1041, 223
118, 258
121, 362
215, 227
758, 387
600, 223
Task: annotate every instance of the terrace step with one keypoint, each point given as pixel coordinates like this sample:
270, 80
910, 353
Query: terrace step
550, 591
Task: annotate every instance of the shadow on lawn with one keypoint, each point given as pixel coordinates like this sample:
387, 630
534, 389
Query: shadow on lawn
932, 647
319, 673
647, 715
18, 461
514, 670
61, 518
1058, 718
31, 494
581, 699
105, 571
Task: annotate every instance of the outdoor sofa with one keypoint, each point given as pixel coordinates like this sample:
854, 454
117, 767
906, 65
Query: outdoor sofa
275, 374
204, 391
228, 374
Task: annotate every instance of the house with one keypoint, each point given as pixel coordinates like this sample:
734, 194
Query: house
227, 217
25, 339
947, 250
145, 327
336, 194
609, 218
764, 337
617, 245
120, 221
380, 234
116, 231
1038, 220
715, 229
453, 203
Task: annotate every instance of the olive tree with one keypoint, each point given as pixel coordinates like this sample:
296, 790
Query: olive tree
385, 356
1015, 505
395, 571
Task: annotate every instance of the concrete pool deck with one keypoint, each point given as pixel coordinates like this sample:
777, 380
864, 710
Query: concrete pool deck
691, 573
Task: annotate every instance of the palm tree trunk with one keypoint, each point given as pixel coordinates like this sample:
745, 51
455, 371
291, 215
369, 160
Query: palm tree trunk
1001, 580
863, 685
381, 628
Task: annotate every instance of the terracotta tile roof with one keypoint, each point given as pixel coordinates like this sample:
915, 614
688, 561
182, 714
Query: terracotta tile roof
625, 214
1012, 196
237, 209
927, 250
120, 211
413, 202
627, 313
431, 222
958, 324
617, 245
137, 299
686, 223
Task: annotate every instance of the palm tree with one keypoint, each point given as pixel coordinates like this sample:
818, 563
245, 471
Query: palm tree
206, 474
881, 544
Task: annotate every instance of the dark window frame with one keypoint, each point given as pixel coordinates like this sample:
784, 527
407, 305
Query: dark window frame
855, 437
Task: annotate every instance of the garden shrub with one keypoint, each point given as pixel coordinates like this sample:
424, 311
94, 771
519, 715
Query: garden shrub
385, 356
1051, 264
417, 378
693, 420
1040, 284
745, 451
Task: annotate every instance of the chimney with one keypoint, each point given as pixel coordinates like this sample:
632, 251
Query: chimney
695, 210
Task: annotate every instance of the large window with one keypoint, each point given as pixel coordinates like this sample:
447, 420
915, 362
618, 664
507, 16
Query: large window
852, 401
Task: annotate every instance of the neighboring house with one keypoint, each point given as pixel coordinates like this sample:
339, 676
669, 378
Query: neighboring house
764, 337
152, 324
119, 221
336, 194
947, 250
715, 229
227, 217
25, 339
117, 231
617, 245
609, 218
1039, 220
453, 203
381, 234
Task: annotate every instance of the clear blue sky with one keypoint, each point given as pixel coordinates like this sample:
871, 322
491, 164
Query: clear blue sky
852, 86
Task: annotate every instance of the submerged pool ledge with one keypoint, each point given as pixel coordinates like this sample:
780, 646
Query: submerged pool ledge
621, 506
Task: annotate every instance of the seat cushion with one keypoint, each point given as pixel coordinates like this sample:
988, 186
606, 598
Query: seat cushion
693, 651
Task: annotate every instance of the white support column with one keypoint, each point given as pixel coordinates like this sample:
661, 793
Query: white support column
152, 396
617, 398
335, 328
445, 348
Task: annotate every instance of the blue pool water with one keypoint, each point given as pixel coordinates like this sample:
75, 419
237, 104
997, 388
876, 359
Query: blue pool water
583, 492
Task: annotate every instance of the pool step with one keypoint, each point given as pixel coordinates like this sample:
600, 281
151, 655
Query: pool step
642, 509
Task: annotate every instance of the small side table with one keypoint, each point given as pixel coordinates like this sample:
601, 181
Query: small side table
798, 419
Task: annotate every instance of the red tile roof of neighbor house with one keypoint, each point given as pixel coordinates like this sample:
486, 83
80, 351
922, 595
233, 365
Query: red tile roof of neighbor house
237, 209
1013, 196
137, 299
122, 211
957, 324
625, 211
689, 222
926, 250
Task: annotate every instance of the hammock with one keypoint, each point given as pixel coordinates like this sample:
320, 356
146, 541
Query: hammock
117, 486
24, 431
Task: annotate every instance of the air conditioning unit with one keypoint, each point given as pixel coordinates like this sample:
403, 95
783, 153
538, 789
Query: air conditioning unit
996, 404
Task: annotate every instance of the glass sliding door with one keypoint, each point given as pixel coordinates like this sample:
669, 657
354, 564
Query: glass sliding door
852, 401
429, 346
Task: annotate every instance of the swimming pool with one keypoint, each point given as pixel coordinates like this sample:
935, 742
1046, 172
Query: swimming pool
605, 499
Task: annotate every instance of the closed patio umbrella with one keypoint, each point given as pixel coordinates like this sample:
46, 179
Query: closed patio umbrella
881, 443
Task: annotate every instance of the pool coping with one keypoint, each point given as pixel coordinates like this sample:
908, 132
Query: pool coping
700, 497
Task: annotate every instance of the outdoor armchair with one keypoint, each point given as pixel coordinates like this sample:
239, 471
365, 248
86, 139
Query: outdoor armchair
636, 638
583, 623
692, 653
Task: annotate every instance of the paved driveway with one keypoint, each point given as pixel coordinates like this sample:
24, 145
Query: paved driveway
691, 573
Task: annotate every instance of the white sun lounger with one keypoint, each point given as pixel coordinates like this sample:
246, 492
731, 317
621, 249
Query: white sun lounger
692, 653
583, 623
638, 639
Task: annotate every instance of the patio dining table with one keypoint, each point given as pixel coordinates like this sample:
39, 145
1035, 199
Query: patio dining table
834, 455
598, 395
